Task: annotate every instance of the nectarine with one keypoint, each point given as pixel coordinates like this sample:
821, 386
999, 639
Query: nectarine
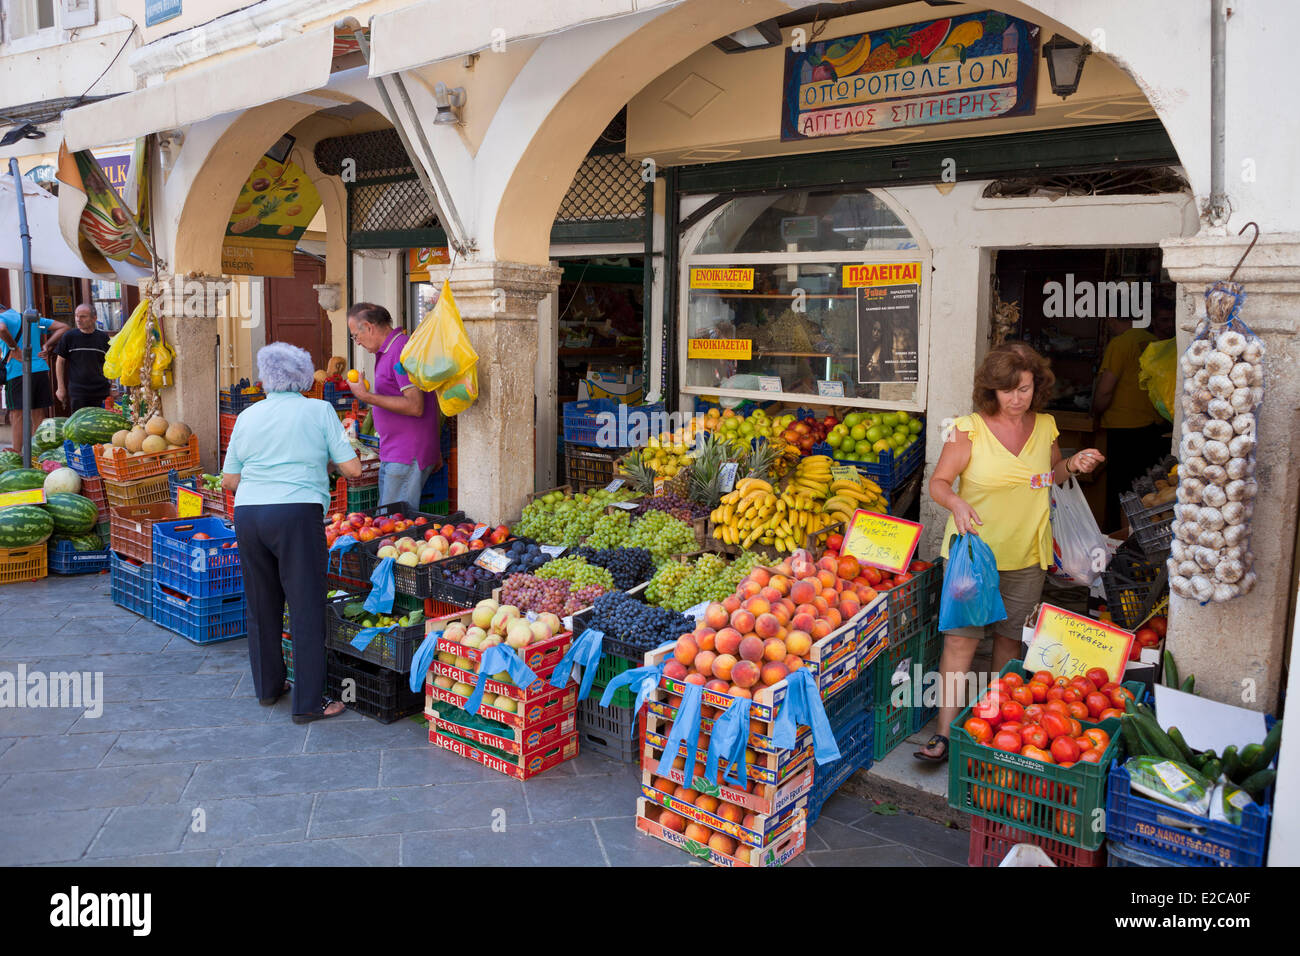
686, 650
706, 803
731, 812
698, 833
675, 670
803, 591
716, 616
798, 643
757, 606
672, 821
717, 685
695, 677
722, 843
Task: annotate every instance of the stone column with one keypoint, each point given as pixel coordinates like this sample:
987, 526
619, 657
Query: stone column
494, 438
1236, 649
190, 323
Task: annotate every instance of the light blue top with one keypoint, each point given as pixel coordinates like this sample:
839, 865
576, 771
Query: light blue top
281, 447
13, 320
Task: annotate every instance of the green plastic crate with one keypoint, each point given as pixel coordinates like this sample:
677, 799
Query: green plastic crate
440, 507
893, 725
363, 498
895, 653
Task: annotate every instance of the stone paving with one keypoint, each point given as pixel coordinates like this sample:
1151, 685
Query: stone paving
184, 768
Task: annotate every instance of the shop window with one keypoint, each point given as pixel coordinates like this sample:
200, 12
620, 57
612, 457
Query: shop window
106, 298
25, 17
808, 297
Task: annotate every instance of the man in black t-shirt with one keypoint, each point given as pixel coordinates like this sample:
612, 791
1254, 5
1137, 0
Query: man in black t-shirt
79, 365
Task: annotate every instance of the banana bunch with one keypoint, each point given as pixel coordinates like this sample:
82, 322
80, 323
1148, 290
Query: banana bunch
754, 513
848, 495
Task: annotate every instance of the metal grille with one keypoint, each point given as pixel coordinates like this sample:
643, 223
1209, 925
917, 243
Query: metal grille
402, 204
379, 153
1143, 181
608, 186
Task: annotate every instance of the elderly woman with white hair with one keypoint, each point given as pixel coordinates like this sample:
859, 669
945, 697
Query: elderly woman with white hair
277, 466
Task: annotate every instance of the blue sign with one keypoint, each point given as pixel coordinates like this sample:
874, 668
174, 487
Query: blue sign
159, 11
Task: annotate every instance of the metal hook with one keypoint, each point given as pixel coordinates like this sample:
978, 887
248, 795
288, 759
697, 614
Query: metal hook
1248, 248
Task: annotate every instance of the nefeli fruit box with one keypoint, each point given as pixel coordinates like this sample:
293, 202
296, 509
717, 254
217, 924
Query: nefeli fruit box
521, 768
540, 657
774, 768
745, 827
514, 741
523, 717
758, 798
716, 847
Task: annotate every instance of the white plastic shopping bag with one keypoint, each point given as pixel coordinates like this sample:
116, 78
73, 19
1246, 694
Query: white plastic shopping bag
1079, 549
1026, 854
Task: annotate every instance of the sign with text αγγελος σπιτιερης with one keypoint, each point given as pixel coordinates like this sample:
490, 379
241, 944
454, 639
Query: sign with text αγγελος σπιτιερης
881, 541
1069, 644
189, 504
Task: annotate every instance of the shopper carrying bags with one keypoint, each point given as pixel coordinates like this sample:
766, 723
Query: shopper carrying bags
1005, 460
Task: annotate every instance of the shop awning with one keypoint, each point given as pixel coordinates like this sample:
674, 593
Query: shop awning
434, 30
51, 254
288, 68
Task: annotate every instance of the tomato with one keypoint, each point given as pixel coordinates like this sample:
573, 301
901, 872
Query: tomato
1020, 808
1008, 741
1083, 742
1091, 755
1083, 685
1034, 735
1066, 823
1055, 725
1110, 712
1096, 702
1100, 739
1023, 696
1061, 681
1012, 725
1076, 728
1079, 710
872, 575
1072, 695
1098, 676
1038, 689
1119, 695
1107, 687
1057, 707
997, 687
1033, 712
902, 578
916, 566
1055, 693
989, 708
1011, 710
1011, 680
1043, 677
1135, 651
1038, 754
1159, 625
1065, 750
980, 729
1147, 637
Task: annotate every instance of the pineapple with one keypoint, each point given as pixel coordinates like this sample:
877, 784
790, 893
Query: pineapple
761, 459
640, 474
703, 474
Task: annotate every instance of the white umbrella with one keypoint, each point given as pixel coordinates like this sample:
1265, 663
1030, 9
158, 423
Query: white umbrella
51, 254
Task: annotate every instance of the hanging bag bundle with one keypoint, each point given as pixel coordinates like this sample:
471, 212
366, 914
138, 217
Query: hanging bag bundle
439, 358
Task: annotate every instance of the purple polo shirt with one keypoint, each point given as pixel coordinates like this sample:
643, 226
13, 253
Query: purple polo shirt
402, 438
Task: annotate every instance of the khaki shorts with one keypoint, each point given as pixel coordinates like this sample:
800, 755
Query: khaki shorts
1021, 591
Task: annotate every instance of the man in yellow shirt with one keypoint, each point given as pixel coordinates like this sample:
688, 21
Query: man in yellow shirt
1135, 432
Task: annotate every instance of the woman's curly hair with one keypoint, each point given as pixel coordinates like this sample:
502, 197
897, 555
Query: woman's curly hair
1001, 370
285, 368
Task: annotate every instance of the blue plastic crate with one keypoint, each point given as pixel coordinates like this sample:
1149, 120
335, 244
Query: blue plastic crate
340, 398
1179, 838
856, 743
891, 471
131, 584
81, 459
233, 400
65, 559
203, 568
201, 620
1121, 854
852, 703
582, 421
369, 441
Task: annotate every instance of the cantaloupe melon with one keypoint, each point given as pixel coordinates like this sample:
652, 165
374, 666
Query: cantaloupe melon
134, 440
119, 438
154, 443
178, 433
156, 425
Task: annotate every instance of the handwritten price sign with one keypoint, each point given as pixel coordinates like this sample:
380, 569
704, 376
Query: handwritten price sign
1068, 645
29, 496
189, 504
881, 541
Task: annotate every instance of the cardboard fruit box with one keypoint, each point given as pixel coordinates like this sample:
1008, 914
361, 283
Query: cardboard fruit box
755, 829
771, 768
527, 716
541, 657
760, 798
778, 853
553, 724
522, 768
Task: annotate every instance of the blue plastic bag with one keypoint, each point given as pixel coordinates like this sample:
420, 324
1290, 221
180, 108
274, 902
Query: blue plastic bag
728, 741
970, 595
645, 679
498, 658
584, 652
685, 730
342, 544
803, 706
383, 588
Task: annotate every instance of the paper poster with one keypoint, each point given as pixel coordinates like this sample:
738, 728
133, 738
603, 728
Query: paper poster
189, 504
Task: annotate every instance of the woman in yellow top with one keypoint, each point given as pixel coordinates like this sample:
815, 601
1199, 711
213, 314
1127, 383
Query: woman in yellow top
1007, 458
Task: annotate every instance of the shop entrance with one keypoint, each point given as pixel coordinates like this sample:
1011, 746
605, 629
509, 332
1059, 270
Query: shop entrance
293, 313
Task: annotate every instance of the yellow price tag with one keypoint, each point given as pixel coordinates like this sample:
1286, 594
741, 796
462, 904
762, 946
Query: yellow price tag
881, 541
189, 504
30, 496
1068, 644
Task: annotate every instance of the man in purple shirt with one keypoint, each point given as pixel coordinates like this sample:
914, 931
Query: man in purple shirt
405, 417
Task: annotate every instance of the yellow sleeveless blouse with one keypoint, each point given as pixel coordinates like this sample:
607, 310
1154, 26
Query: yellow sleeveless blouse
1012, 494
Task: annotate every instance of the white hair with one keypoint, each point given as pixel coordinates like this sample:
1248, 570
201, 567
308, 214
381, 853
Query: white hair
285, 368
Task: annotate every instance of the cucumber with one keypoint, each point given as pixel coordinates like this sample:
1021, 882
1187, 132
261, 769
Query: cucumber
1199, 760
1231, 761
1212, 768
1171, 670
1271, 744
1252, 758
1189, 685
1257, 783
1156, 736
1176, 736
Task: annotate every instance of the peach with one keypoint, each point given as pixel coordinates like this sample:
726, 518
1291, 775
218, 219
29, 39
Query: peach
706, 803
809, 609
780, 583
729, 604
830, 596
717, 685
798, 643
849, 607
771, 595
698, 833
774, 672
821, 629
774, 649
672, 821
748, 589
743, 621
685, 794
722, 844
738, 691
801, 567
784, 568
750, 821
664, 785
761, 575
704, 662
802, 592
821, 604
827, 578
757, 606
722, 665
745, 674
782, 615
731, 812
833, 617
803, 622
726, 642
742, 854
686, 650
766, 625
827, 563
716, 616
789, 605
751, 649
695, 677
679, 763
704, 637
793, 663
675, 669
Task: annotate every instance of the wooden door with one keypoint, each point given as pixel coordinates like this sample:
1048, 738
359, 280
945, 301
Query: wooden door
293, 313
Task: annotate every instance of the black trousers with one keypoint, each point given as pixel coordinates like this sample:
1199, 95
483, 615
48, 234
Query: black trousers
1129, 453
282, 555
80, 400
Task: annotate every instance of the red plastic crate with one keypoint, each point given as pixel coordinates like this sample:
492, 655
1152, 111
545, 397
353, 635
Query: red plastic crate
131, 528
93, 489
991, 841
117, 464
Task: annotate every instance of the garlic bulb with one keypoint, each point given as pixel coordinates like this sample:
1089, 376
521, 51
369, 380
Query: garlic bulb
1186, 532
1229, 571
1235, 533
1247, 582
1210, 539
1249, 492
1211, 519
1195, 466
1215, 430
1242, 446
1214, 497
1241, 399
1241, 374
1215, 475
1243, 425
1218, 408
1181, 585
1177, 550
1206, 558
1195, 422
1256, 375
1231, 342
1188, 568
1194, 487
1223, 592
1240, 468
1202, 588
1202, 378
1221, 386
1232, 554
1235, 490
1218, 363
1216, 452
1198, 351
1252, 353
1192, 444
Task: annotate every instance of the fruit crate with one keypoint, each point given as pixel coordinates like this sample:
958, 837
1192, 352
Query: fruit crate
546, 724
339, 396
23, 564
345, 571
117, 464
609, 731
781, 851
65, 559
1154, 526
362, 498
521, 767
1180, 838
850, 705
218, 503
991, 841
131, 528
1134, 586
199, 620
897, 654
146, 491
197, 567
931, 649
391, 649
459, 594
225, 428
93, 490
586, 467
381, 694
892, 471
856, 742
369, 473
1121, 854
286, 653
131, 584
418, 580
239, 396
610, 666
81, 459
582, 420
914, 604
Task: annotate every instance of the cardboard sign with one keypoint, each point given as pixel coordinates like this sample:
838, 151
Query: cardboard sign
614, 485
627, 505
492, 560
844, 473
189, 504
659, 485
706, 277
31, 496
830, 389
881, 541
727, 476
1068, 644
769, 383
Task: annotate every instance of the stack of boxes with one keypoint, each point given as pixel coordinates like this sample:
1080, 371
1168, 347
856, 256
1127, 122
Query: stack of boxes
198, 590
913, 650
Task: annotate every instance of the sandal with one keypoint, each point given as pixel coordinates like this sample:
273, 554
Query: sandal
936, 740
321, 714
271, 701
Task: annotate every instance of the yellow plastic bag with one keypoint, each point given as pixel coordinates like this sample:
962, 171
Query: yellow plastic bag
113, 357
459, 394
132, 355
1158, 374
439, 353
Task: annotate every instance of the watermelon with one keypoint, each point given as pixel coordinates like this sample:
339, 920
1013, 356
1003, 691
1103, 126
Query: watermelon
72, 514
20, 479
94, 426
24, 525
48, 434
10, 460
90, 541
54, 454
